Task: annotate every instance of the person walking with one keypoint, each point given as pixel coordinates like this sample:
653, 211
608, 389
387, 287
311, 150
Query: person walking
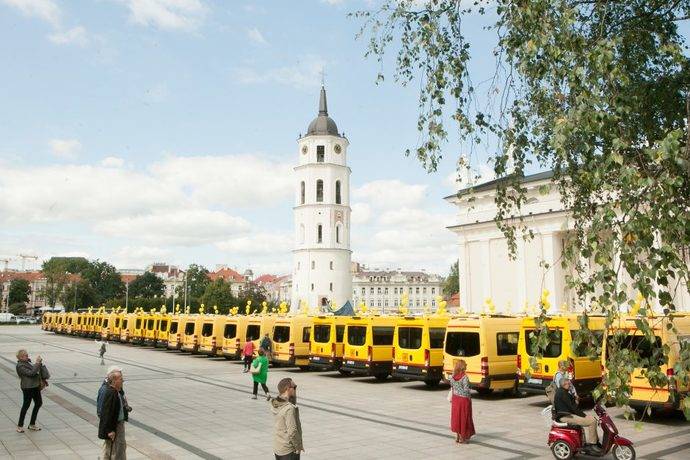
111, 426
248, 354
267, 345
461, 404
104, 387
101, 350
259, 369
33, 379
287, 437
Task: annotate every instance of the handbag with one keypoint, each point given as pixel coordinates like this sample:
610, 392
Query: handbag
256, 369
43, 378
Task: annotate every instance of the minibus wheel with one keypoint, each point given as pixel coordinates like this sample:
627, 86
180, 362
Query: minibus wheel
431, 383
344, 372
304, 368
381, 377
484, 391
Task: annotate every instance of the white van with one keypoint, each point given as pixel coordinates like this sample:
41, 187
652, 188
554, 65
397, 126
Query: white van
7, 318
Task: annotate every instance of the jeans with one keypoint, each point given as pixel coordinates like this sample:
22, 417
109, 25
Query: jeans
247, 362
256, 388
30, 394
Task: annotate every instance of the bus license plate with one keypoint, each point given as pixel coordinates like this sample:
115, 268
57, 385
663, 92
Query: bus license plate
535, 381
402, 368
349, 362
316, 358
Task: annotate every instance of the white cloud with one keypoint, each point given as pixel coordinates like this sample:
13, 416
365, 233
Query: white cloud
76, 36
391, 193
259, 243
361, 212
112, 162
304, 74
183, 227
138, 256
231, 180
256, 36
168, 14
46, 10
65, 148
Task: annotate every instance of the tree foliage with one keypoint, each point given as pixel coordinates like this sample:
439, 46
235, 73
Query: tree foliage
596, 91
146, 285
218, 293
78, 295
19, 291
18, 308
104, 281
197, 281
452, 283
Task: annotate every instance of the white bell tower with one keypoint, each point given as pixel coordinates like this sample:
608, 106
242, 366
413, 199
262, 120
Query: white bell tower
321, 271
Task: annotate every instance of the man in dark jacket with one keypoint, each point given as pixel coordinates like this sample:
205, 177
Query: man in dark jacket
111, 427
564, 402
267, 345
104, 387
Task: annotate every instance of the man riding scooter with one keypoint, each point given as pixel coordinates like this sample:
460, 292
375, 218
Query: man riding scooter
565, 403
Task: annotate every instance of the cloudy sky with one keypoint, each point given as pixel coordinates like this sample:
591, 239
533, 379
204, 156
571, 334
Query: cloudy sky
137, 131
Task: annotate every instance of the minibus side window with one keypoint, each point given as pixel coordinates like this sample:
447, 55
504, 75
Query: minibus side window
581, 349
507, 343
553, 349
281, 334
322, 333
137, 324
117, 322
462, 343
207, 329
230, 331
173, 327
306, 334
383, 335
124, 323
105, 322
189, 328
150, 325
253, 331
163, 325
410, 338
339, 332
356, 335
436, 337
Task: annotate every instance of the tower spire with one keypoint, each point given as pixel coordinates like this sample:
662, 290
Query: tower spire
323, 108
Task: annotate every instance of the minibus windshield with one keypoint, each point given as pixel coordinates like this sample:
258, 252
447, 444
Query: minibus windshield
582, 347
462, 343
507, 343
339, 333
281, 334
253, 331
554, 347
230, 331
124, 323
137, 324
322, 333
436, 336
163, 325
150, 324
640, 344
410, 338
207, 329
173, 327
189, 328
356, 335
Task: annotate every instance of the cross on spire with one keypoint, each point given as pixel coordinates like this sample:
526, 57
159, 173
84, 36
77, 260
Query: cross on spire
323, 76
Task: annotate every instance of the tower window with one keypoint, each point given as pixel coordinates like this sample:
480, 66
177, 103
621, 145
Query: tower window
319, 191
337, 233
337, 192
312, 286
319, 234
313, 265
302, 192
320, 153
330, 286
331, 264
301, 233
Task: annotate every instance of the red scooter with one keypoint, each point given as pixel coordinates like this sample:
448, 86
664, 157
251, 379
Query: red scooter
567, 440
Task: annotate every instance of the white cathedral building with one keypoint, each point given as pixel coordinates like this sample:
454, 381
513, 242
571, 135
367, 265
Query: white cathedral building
321, 271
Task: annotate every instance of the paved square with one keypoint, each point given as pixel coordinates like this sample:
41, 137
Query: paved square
190, 406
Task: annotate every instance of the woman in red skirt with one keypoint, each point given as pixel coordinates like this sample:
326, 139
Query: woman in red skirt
461, 405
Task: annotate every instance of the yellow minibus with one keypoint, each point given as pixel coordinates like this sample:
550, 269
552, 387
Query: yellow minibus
369, 345
327, 342
418, 342
291, 338
235, 336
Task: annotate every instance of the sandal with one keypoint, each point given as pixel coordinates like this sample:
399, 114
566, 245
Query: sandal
34, 428
20, 429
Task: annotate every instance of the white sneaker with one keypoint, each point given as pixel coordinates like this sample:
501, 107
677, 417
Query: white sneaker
253, 396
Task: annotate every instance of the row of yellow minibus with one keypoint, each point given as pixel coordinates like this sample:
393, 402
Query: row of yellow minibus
423, 348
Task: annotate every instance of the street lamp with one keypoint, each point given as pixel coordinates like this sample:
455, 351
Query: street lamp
126, 296
185, 290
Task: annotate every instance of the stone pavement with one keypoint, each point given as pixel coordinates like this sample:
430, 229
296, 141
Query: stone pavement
190, 406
